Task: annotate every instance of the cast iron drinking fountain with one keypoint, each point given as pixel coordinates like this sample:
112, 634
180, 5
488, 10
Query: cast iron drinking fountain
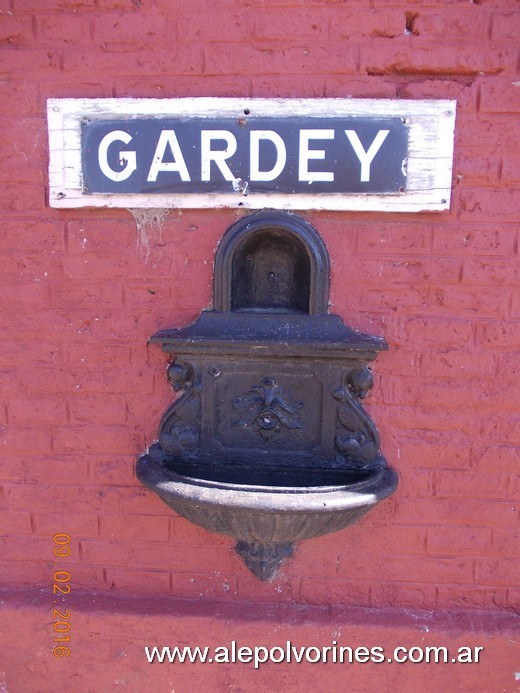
269, 443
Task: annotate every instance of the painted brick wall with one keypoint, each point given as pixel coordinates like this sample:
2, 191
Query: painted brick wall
82, 290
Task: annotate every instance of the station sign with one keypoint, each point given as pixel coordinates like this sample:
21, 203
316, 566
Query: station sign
287, 154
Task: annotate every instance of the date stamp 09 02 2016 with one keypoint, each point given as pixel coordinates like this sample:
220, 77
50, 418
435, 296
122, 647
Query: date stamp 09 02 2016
61, 586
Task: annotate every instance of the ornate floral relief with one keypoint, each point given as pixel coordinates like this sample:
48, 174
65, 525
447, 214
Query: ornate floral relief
266, 409
356, 436
179, 430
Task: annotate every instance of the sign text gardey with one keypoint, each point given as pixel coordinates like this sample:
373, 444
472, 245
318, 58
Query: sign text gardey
246, 155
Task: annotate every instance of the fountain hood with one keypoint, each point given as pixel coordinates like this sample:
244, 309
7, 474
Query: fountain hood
269, 442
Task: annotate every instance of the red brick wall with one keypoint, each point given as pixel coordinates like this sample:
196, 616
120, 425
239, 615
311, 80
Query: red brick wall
82, 290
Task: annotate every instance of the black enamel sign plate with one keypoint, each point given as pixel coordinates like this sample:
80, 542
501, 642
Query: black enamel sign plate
309, 155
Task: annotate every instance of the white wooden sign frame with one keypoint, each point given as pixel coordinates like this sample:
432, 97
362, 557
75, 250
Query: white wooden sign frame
429, 167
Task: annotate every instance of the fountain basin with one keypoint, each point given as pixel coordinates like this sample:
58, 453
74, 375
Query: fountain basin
266, 520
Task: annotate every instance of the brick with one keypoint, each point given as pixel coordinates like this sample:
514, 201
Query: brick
25, 439
401, 360
424, 419
42, 409
90, 265
414, 482
40, 61
411, 541
90, 86
484, 393
134, 528
474, 484
113, 62
506, 543
309, 561
80, 298
477, 167
464, 92
437, 450
15, 30
349, 23
84, 578
20, 548
470, 597
509, 427
49, 497
321, 591
98, 409
403, 569
459, 541
459, 511
494, 131
138, 582
341, 86
77, 525
485, 204
108, 351
32, 293
484, 271
11, 469
453, 362
79, 439
136, 28
16, 523
186, 533
405, 270
410, 58
224, 58
505, 571
456, 23
204, 586
511, 600
394, 238
94, 235
16, 197
472, 300
500, 96
502, 458
505, 25
292, 24
282, 589
39, 235
97, 5
111, 471
510, 168
20, 574
420, 595
509, 363
437, 332
167, 85
63, 27
236, 26
59, 469
31, 266
497, 334
137, 499
21, 153
151, 556
18, 96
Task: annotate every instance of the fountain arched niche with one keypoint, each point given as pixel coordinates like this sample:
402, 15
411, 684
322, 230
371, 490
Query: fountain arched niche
269, 442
